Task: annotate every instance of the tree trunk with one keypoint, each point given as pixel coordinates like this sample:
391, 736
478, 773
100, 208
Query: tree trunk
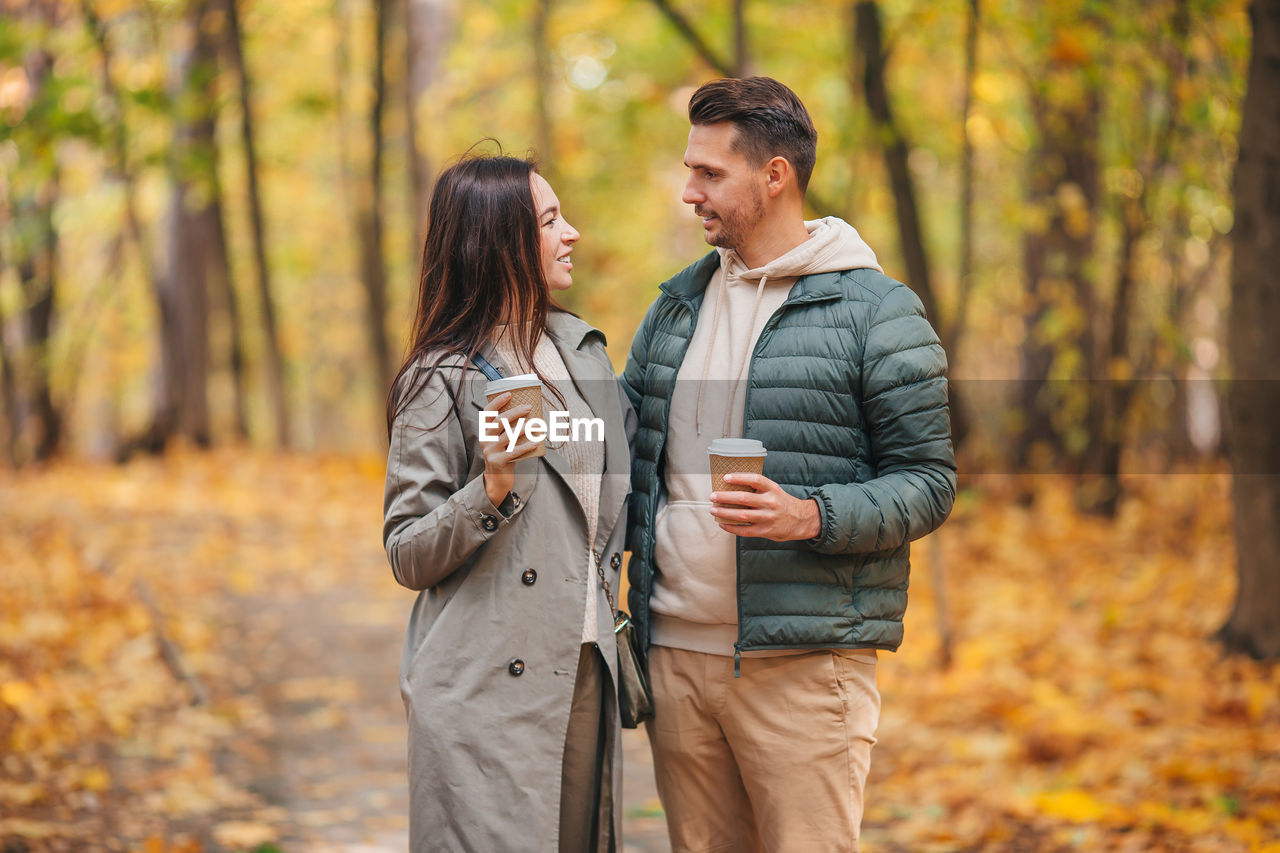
182, 405
275, 361
8, 377
38, 275
429, 27
1112, 412
120, 169
1254, 404
1063, 187
1111, 407
972, 20
369, 219
9, 393
870, 49
542, 88
35, 260
914, 255
960, 423
741, 51
220, 269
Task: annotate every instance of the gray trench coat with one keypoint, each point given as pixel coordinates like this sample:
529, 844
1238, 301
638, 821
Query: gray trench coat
491, 652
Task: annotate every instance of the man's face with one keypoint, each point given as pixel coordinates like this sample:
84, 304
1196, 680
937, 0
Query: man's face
723, 187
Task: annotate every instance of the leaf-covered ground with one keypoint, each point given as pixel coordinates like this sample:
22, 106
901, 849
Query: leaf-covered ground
199, 653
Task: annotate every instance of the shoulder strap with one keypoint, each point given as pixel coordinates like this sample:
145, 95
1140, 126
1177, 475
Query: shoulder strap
491, 373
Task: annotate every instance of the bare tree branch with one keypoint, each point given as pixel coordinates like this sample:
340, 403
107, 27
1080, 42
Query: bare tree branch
894, 144
700, 47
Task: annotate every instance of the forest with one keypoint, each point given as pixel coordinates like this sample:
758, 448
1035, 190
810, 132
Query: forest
211, 222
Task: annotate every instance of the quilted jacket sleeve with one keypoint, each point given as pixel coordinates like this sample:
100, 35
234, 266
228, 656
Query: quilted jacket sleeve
632, 382
904, 404
630, 422
637, 358
434, 518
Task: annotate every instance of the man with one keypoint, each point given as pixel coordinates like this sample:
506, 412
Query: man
764, 608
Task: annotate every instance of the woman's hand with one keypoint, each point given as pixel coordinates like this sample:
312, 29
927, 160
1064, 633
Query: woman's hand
499, 470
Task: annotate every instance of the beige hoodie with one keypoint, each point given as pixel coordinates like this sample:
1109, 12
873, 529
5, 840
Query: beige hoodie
695, 589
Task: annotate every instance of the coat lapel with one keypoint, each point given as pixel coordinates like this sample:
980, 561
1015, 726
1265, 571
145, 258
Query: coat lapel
554, 459
599, 388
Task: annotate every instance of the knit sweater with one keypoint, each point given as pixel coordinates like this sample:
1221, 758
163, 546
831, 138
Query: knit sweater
585, 458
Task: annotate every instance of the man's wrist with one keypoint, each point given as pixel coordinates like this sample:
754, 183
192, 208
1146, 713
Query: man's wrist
813, 519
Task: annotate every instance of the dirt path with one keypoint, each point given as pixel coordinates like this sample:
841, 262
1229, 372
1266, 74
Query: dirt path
325, 667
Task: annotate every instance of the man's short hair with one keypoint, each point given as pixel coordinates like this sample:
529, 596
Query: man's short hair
770, 119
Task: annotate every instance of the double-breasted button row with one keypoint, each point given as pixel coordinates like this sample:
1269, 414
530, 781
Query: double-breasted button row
516, 667
488, 522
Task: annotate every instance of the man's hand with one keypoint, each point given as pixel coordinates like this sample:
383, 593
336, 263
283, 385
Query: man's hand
770, 512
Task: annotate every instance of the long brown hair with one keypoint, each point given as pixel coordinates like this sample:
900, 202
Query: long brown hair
481, 267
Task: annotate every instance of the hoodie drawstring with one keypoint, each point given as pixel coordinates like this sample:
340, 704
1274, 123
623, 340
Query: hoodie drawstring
723, 297
746, 357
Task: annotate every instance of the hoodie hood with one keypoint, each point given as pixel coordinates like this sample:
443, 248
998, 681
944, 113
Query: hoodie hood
833, 246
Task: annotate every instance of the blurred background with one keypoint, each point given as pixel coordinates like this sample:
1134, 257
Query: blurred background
210, 224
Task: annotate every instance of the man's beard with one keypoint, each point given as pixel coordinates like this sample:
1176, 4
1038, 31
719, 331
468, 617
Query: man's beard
735, 227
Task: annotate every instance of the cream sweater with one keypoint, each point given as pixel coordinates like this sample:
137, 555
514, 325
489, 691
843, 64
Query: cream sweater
695, 589
585, 458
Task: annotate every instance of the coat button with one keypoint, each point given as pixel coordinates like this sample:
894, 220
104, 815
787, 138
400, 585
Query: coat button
488, 522
516, 667
616, 560
515, 501
529, 577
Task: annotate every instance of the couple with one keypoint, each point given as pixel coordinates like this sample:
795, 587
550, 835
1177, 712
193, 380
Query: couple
761, 610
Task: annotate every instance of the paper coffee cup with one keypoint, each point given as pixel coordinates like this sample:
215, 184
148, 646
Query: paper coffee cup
526, 389
734, 456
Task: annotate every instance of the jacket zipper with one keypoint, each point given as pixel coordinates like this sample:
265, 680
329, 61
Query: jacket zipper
765, 331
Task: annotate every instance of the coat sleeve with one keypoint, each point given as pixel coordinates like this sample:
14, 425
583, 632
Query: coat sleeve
434, 518
904, 404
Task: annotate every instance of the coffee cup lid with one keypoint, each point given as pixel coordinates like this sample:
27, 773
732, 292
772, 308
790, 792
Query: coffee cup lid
511, 383
736, 447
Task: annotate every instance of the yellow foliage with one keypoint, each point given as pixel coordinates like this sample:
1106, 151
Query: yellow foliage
1083, 702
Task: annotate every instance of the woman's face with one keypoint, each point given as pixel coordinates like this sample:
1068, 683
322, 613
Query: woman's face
558, 236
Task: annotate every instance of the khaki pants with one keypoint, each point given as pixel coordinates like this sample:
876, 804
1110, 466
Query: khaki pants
774, 760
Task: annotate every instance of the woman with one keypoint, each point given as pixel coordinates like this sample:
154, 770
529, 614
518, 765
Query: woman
507, 672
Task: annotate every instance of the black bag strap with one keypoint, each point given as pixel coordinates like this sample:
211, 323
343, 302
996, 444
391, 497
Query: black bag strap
491, 373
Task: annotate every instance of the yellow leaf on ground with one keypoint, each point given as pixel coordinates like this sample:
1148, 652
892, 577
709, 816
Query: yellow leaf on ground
1074, 805
95, 779
244, 834
16, 694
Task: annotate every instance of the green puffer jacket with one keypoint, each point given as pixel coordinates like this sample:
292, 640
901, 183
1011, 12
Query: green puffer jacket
847, 390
